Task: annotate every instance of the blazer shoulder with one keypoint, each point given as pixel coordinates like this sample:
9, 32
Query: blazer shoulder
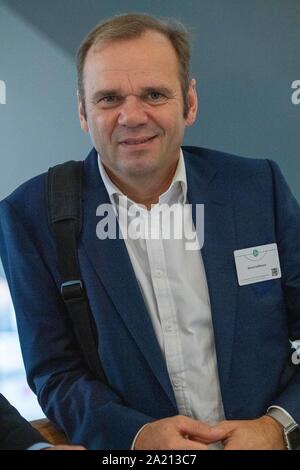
231, 166
30, 195
33, 193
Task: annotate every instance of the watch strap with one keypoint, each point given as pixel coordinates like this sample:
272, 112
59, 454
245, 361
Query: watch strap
283, 418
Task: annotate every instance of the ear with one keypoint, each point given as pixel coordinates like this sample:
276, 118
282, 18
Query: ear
193, 103
82, 114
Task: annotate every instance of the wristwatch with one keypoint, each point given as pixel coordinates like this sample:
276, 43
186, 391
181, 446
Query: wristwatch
291, 430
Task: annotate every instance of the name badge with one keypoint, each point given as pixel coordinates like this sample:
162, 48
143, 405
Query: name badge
257, 264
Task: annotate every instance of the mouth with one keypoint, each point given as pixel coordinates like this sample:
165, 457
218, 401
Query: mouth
138, 142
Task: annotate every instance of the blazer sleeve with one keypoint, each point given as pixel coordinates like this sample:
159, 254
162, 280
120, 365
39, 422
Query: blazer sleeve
89, 412
15, 432
287, 213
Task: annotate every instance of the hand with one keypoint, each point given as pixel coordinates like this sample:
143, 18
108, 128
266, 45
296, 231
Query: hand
178, 432
257, 434
65, 447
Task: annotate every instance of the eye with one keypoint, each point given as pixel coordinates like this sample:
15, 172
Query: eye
109, 101
156, 96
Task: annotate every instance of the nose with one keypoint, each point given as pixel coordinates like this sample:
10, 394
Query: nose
132, 113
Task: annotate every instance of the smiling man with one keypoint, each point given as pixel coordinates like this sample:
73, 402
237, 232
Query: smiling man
194, 345
132, 106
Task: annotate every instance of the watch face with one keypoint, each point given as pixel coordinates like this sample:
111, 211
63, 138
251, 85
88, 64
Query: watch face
294, 438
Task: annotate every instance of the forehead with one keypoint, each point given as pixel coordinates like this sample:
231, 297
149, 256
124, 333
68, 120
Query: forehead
150, 56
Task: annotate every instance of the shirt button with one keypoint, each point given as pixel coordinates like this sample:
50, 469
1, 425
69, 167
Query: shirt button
168, 328
176, 382
158, 273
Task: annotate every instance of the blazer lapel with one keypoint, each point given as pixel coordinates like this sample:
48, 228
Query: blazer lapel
111, 262
206, 186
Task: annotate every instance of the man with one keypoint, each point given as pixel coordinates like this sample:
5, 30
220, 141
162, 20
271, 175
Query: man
192, 359
17, 434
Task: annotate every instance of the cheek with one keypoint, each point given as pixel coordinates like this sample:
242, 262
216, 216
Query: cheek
102, 128
172, 119
175, 128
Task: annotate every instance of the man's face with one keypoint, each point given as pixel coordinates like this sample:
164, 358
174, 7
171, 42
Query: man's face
134, 106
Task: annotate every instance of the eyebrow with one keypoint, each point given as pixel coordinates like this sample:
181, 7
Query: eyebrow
117, 92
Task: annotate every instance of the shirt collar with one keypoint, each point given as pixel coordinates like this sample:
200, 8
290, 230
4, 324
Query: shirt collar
175, 193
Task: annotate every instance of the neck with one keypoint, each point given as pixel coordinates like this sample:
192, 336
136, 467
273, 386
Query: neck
145, 190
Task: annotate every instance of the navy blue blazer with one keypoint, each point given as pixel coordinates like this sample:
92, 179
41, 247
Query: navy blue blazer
15, 432
247, 203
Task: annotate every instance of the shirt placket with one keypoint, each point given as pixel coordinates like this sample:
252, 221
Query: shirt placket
167, 313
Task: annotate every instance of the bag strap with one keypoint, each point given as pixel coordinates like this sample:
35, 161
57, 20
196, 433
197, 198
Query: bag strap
64, 184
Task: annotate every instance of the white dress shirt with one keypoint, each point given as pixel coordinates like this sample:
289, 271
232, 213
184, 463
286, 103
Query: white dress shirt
174, 287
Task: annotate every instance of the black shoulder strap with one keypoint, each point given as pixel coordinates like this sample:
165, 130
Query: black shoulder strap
65, 220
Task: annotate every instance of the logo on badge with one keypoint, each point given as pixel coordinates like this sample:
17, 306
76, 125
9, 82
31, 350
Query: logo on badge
255, 253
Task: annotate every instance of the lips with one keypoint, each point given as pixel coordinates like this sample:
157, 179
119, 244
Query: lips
137, 141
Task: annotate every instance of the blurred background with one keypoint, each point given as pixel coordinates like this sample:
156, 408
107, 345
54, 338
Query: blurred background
245, 57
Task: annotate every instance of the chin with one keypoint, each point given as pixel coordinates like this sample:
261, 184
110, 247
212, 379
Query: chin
140, 166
